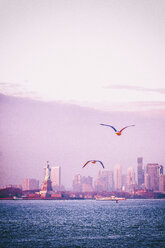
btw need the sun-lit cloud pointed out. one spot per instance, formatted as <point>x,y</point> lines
<point>135,88</point>
<point>16,89</point>
<point>4,85</point>
<point>136,106</point>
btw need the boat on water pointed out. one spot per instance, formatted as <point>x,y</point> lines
<point>110,198</point>
<point>17,198</point>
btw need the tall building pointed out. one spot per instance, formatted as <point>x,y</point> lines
<point>77,183</point>
<point>161,183</point>
<point>160,169</point>
<point>140,172</point>
<point>30,184</point>
<point>124,182</point>
<point>86,184</point>
<point>130,179</point>
<point>118,178</point>
<point>104,181</point>
<point>161,179</point>
<point>147,181</point>
<point>100,183</point>
<point>56,177</point>
<point>108,178</point>
<point>152,176</point>
<point>82,184</point>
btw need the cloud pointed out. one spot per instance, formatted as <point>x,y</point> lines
<point>135,88</point>
<point>9,85</point>
<point>15,89</point>
<point>146,105</point>
<point>157,107</point>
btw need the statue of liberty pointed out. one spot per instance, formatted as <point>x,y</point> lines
<point>48,171</point>
<point>47,184</point>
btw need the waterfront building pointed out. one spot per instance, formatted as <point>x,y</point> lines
<point>124,182</point>
<point>30,184</point>
<point>130,179</point>
<point>87,180</point>
<point>86,184</point>
<point>56,177</point>
<point>77,183</point>
<point>104,181</point>
<point>161,183</point>
<point>152,176</point>
<point>147,181</point>
<point>161,179</point>
<point>160,169</point>
<point>108,178</point>
<point>140,172</point>
<point>82,184</point>
<point>118,178</point>
<point>100,184</point>
<point>17,186</point>
<point>86,187</point>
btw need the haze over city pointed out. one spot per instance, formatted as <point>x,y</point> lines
<point>66,67</point>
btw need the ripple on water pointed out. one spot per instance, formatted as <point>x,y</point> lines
<point>132,223</point>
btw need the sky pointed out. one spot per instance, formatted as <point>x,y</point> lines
<point>103,57</point>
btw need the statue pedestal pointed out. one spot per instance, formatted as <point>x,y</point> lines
<point>47,186</point>
<point>45,195</point>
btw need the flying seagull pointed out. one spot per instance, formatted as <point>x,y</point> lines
<point>117,132</point>
<point>94,162</point>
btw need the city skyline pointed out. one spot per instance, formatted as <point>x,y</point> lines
<point>106,180</point>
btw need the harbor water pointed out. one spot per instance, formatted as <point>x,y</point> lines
<point>82,223</point>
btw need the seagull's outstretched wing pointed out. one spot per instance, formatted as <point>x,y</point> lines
<point>109,126</point>
<point>100,163</point>
<point>126,127</point>
<point>86,163</point>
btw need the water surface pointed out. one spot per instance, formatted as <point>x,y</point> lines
<point>82,223</point>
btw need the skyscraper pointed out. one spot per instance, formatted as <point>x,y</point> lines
<point>160,169</point>
<point>161,179</point>
<point>118,178</point>
<point>107,177</point>
<point>56,177</point>
<point>104,181</point>
<point>77,183</point>
<point>161,183</point>
<point>124,182</point>
<point>152,176</point>
<point>140,172</point>
<point>130,179</point>
<point>86,184</point>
